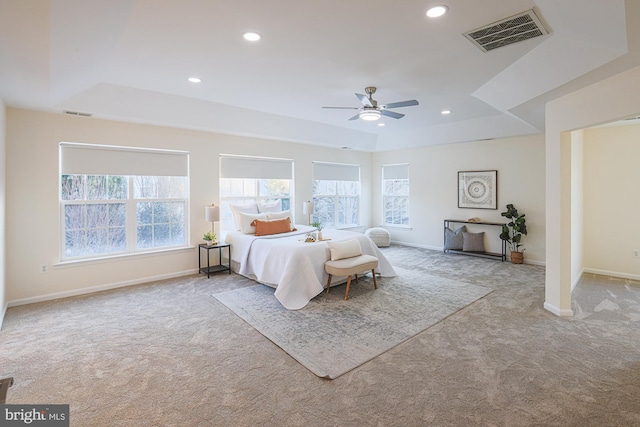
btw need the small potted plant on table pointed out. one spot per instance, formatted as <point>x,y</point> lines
<point>210,238</point>
<point>513,231</point>
<point>318,225</point>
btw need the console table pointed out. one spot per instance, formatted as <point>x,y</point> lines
<point>502,256</point>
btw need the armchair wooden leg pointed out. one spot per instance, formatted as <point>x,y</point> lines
<point>346,292</point>
<point>375,284</point>
<point>328,283</point>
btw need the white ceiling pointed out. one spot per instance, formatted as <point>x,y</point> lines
<point>130,60</point>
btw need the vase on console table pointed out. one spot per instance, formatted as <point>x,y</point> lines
<point>319,235</point>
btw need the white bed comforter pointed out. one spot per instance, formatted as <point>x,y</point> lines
<point>295,268</point>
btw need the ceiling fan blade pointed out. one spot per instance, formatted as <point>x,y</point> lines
<point>365,101</point>
<point>344,108</point>
<point>391,114</point>
<point>356,117</point>
<point>402,104</point>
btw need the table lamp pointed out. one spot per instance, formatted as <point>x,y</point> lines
<point>307,209</point>
<point>212,214</point>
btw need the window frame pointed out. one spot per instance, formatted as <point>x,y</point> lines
<point>226,218</point>
<point>325,172</point>
<point>256,169</point>
<point>121,162</point>
<point>395,194</point>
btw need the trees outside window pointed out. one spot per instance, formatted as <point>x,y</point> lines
<point>395,194</point>
<point>106,214</point>
<point>336,202</point>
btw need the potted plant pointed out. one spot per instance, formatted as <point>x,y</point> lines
<point>210,238</point>
<point>513,231</point>
<point>318,225</point>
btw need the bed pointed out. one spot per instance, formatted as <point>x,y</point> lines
<point>295,268</point>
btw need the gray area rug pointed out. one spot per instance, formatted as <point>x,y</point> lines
<point>331,336</point>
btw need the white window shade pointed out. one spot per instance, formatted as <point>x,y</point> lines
<point>79,159</point>
<point>395,171</point>
<point>255,168</point>
<point>335,172</point>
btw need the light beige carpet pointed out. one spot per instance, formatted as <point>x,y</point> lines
<point>331,336</point>
<point>169,354</point>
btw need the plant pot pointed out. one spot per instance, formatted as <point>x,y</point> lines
<point>209,243</point>
<point>319,235</point>
<point>517,257</point>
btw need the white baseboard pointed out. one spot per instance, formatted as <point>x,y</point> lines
<point>555,310</point>
<point>105,287</point>
<point>612,273</point>
<point>416,245</point>
<point>534,262</point>
<point>439,248</point>
<point>577,280</point>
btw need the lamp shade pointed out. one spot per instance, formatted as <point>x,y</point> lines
<point>307,208</point>
<point>212,213</point>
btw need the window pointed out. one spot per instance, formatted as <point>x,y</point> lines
<point>336,194</point>
<point>108,207</point>
<point>245,180</point>
<point>395,194</point>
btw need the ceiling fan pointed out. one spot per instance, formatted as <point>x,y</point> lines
<point>370,109</point>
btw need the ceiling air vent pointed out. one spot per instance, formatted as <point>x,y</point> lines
<point>517,28</point>
<point>77,113</point>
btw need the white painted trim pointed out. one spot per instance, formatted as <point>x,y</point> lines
<point>612,273</point>
<point>398,226</point>
<point>557,311</point>
<point>534,262</point>
<point>354,228</point>
<point>4,312</point>
<point>575,282</point>
<point>105,287</point>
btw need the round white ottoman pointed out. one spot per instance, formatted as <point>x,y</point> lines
<point>380,236</point>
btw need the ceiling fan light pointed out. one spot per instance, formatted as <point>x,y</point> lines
<point>370,115</point>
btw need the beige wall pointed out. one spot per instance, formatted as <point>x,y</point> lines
<point>433,176</point>
<point>33,208</point>
<point>606,101</point>
<point>3,289</point>
<point>612,200</point>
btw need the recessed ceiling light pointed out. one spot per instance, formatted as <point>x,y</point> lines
<point>445,112</point>
<point>437,11</point>
<point>381,124</point>
<point>195,79</point>
<point>251,36</point>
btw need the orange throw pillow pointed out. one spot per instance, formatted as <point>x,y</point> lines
<point>272,226</point>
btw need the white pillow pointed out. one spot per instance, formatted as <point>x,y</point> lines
<point>344,249</point>
<point>250,208</point>
<point>270,207</point>
<point>246,220</point>
<point>280,215</point>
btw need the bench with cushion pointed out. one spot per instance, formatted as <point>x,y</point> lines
<point>348,260</point>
